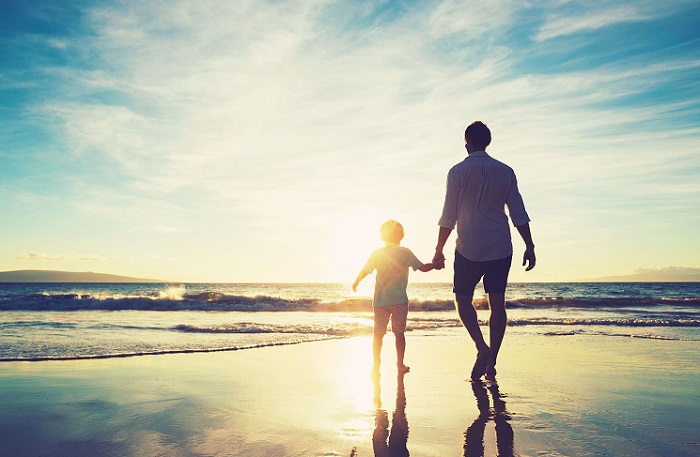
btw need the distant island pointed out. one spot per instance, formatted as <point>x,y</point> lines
<point>66,276</point>
<point>667,274</point>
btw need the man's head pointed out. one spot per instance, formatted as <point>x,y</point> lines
<point>477,136</point>
<point>391,232</point>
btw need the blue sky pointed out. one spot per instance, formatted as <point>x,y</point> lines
<point>266,141</point>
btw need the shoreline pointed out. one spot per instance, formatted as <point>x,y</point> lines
<point>559,395</point>
<point>157,353</point>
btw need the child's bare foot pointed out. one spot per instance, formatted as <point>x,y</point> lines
<point>403,368</point>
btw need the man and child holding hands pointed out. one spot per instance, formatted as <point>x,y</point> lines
<point>478,190</point>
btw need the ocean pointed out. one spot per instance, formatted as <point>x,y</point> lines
<point>67,321</point>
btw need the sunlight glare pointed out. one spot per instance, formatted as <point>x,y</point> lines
<point>356,384</point>
<point>357,388</point>
<point>351,239</point>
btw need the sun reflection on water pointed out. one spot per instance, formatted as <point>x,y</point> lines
<point>356,388</point>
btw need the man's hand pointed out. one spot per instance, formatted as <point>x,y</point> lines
<point>439,257</point>
<point>439,260</point>
<point>529,258</point>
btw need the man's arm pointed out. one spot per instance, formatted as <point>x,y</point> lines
<point>529,256</point>
<point>448,219</point>
<point>439,258</point>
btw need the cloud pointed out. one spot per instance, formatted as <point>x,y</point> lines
<point>597,17</point>
<point>116,131</point>
<point>164,229</point>
<point>40,256</point>
<point>454,17</point>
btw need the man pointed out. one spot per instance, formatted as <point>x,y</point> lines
<point>478,190</point>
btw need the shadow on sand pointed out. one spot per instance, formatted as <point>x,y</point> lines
<point>474,435</point>
<point>390,442</point>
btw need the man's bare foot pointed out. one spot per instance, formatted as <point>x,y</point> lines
<point>403,369</point>
<point>481,363</point>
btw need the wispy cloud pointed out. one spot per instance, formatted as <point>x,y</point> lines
<point>568,18</point>
<point>585,21</point>
<point>40,256</point>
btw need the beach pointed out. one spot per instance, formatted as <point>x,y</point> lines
<point>557,395</point>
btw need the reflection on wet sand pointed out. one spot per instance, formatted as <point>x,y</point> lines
<point>474,436</point>
<point>386,442</point>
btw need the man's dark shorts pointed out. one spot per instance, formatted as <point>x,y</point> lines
<point>468,273</point>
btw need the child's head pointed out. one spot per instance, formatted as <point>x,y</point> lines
<point>391,232</point>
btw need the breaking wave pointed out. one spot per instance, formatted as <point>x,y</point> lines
<point>178,300</point>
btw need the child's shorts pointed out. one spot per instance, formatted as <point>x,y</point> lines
<point>398,315</point>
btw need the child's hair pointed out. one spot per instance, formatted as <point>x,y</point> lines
<point>391,232</point>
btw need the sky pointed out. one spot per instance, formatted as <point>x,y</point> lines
<point>266,141</point>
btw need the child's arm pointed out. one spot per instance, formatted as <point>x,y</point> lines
<point>360,276</point>
<point>427,267</point>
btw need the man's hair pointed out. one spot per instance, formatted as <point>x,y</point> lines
<point>477,134</point>
<point>391,231</point>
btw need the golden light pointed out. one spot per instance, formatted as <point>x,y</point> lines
<point>356,387</point>
<point>351,239</point>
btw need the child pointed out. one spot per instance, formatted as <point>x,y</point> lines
<point>390,298</point>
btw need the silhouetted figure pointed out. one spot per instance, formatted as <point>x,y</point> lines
<point>474,435</point>
<point>478,190</point>
<point>392,443</point>
<point>390,299</point>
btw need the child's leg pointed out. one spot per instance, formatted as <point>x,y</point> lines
<point>381,320</point>
<point>400,348</point>
<point>398,326</point>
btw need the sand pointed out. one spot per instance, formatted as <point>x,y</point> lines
<point>557,396</point>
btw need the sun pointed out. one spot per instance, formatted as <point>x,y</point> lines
<point>350,241</point>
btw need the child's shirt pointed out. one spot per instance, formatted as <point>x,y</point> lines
<point>391,263</point>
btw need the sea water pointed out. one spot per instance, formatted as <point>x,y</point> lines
<point>49,321</point>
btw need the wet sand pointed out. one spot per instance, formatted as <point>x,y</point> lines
<point>556,396</point>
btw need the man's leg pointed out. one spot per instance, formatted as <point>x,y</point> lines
<point>497,324</point>
<point>467,313</point>
<point>495,283</point>
<point>467,276</point>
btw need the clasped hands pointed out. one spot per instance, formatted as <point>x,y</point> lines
<point>439,260</point>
